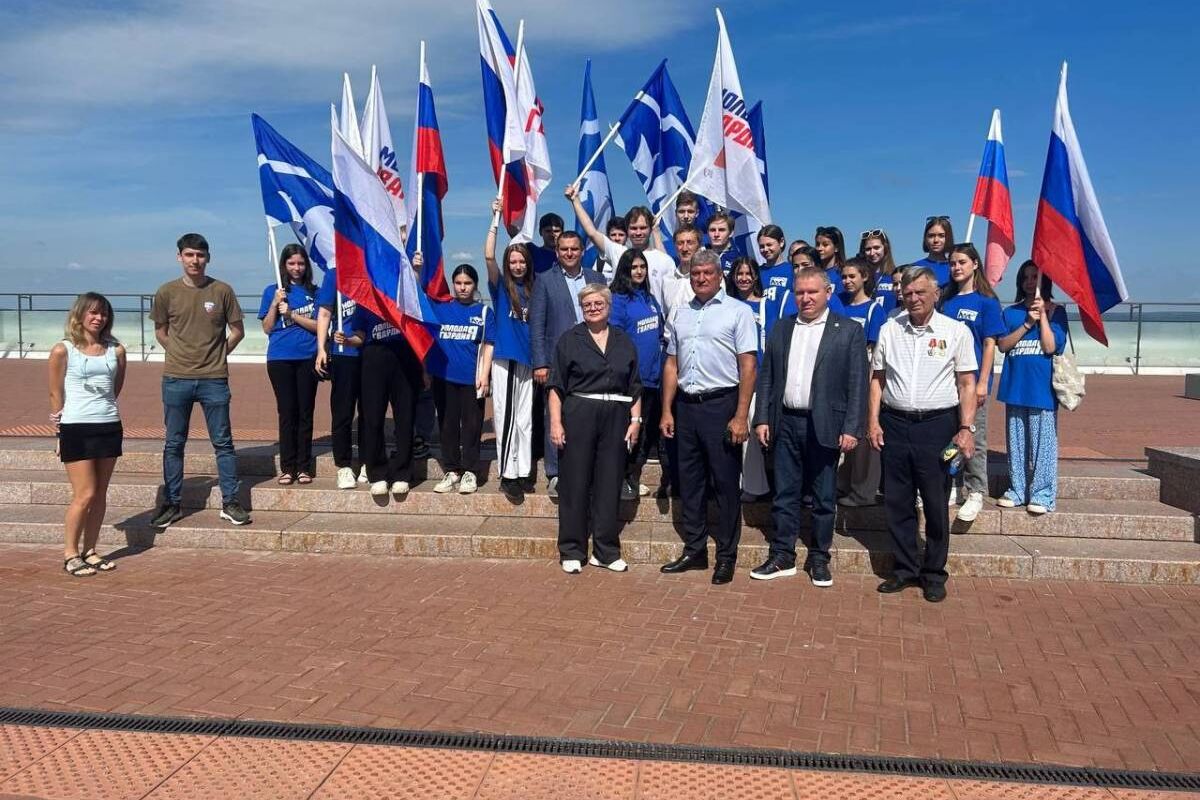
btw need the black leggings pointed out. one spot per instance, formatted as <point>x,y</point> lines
<point>345,373</point>
<point>295,385</point>
<point>460,415</point>
<point>391,375</point>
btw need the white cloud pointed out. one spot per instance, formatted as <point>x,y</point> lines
<point>462,255</point>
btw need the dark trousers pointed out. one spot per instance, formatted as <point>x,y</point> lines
<point>551,453</point>
<point>345,377</point>
<point>802,466</point>
<point>391,375</point>
<point>589,484</point>
<point>295,385</point>
<point>460,414</point>
<point>648,437</point>
<point>706,457</point>
<point>912,463</point>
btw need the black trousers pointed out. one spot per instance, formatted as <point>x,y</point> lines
<point>912,463</point>
<point>649,436</point>
<point>591,466</point>
<point>295,386</point>
<point>802,466</point>
<point>391,375</point>
<point>706,457</point>
<point>460,415</point>
<point>345,377</point>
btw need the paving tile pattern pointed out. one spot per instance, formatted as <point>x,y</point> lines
<point>1004,670</point>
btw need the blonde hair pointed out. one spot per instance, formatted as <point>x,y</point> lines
<point>83,304</point>
<point>596,288</point>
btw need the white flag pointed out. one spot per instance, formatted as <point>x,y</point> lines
<point>348,123</point>
<point>724,167</point>
<point>378,151</point>
<point>537,151</point>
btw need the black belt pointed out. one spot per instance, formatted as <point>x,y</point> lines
<point>711,394</point>
<point>796,412</point>
<point>919,416</point>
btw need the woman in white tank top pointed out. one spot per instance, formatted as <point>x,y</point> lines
<point>87,371</point>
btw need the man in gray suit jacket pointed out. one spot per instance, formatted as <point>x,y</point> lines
<point>811,406</point>
<point>553,311</point>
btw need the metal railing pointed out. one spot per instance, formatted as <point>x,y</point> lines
<point>1142,336</point>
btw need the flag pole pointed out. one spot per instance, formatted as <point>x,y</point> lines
<point>273,256</point>
<point>970,227</point>
<point>516,86</point>
<point>612,132</point>
<point>417,145</point>
<point>662,209</point>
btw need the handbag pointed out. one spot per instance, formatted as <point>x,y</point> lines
<point>1066,379</point>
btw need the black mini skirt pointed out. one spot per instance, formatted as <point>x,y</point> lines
<point>84,441</point>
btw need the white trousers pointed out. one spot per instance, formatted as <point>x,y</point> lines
<point>754,464</point>
<point>512,417</point>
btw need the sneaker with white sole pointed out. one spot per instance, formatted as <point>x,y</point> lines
<point>1037,509</point>
<point>379,488</point>
<point>616,566</point>
<point>467,484</point>
<point>362,474</point>
<point>447,483</point>
<point>345,478</point>
<point>969,510</point>
<point>1006,502</point>
<point>952,500</point>
<point>552,487</point>
<point>572,567</point>
<point>400,487</point>
<point>643,490</point>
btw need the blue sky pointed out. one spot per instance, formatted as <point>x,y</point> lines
<point>126,124</point>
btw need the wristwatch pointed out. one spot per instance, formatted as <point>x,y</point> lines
<point>970,428</point>
<point>638,420</point>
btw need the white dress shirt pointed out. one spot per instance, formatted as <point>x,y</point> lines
<point>802,357</point>
<point>706,339</point>
<point>921,362</point>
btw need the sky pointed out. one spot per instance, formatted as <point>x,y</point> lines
<point>126,124</point>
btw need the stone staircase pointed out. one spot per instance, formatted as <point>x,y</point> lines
<point>1110,524</point>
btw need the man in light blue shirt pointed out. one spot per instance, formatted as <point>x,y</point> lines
<point>708,379</point>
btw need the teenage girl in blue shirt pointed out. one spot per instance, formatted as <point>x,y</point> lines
<point>875,248</point>
<point>635,311</point>
<point>1037,331</point>
<point>289,318</point>
<point>936,242</point>
<point>745,283</point>
<point>831,249</point>
<point>858,476</point>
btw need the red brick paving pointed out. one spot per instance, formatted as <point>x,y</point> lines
<point>60,763</point>
<point>1061,672</point>
<point>1120,416</point>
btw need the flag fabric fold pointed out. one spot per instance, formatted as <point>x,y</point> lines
<point>373,269</point>
<point>993,202</point>
<point>595,194</point>
<point>378,151</point>
<point>296,191</point>
<point>724,166</point>
<point>1070,240</point>
<point>505,128</point>
<point>746,227</point>
<point>430,186</point>
<point>348,121</point>
<point>537,150</point>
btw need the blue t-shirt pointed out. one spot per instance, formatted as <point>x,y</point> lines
<point>728,256</point>
<point>376,329</point>
<point>458,331</point>
<point>290,342</point>
<point>543,259</point>
<point>868,313</point>
<point>835,276</point>
<point>327,298</point>
<point>639,316</point>
<point>512,328</point>
<point>941,269</point>
<point>887,292</point>
<point>982,316</point>
<point>762,321</point>
<point>777,288</point>
<point>1025,380</point>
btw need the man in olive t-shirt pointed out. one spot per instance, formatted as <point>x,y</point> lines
<point>191,316</point>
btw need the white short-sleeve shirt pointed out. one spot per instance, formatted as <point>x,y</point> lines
<point>921,363</point>
<point>706,339</point>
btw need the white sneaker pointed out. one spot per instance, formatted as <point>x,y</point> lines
<point>467,485</point>
<point>643,490</point>
<point>447,483</point>
<point>345,478</point>
<point>379,488</point>
<point>969,510</point>
<point>362,474</point>
<point>920,502</point>
<point>952,500</point>
<point>1006,502</point>
<point>1036,509</point>
<point>572,567</point>
<point>400,487</point>
<point>616,566</point>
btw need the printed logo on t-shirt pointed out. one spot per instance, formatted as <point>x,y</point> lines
<point>382,331</point>
<point>647,324</point>
<point>967,315</point>
<point>463,333</point>
<point>209,305</point>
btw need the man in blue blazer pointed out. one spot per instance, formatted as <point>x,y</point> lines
<point>553,311</point>
<point>811,407</point>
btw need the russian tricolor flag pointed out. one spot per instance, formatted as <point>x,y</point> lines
<point>425,205</point>
<point>372,268</point>
<point>505,128</point>
<point>1070,240</point>
<point>994,203</point>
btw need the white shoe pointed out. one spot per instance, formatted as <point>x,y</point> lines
<point>345,478</point>
<point>447,483</point>
<point>468,484</point>
<point>400,487</point>
<point>1006,502</point>
<point>379,488</point>
<point>1036,509</point>
<point>643,490</point>
<point>616,566</point>
<point>952,500</point>
<point>362,474</point>
<point>920,502</point>
<point>969,510</point>
<point>572,567</point>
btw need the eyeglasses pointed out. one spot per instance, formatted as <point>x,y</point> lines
<point>939,218</point>
<point>594,305</point>
<point>878,232</point>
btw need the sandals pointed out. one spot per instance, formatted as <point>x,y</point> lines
<point>95,560</point>
<point>285,480</point>
<point>304,477</point>
<point>76,567</point>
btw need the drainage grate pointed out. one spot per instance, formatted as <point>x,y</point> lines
<point>537,745</point>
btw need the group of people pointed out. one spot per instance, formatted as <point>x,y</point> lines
<point>802,376</point>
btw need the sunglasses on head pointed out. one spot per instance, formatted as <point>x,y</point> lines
<point>825,231</point>
<point>939,218</point>
<point>877,232</point>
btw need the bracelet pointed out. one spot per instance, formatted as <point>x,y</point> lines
<point>638,420</point>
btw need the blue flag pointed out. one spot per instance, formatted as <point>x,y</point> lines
<point>594,192</point>
<point>745,229</point>
<point>296,191</point>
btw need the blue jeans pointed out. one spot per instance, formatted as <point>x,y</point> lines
<point>802,466</point>
<point>179,395</point>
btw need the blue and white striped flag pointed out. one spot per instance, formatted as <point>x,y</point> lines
<point>296,190</point>
<point>594,192</point>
